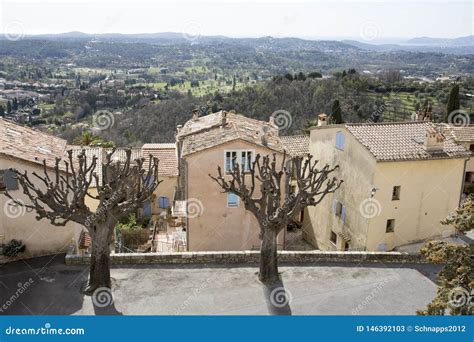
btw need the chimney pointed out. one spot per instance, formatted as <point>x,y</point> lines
<point>195,114</point>
<point>178,128</point>
<point>322,119</point>
<point>434,140</point>
<point>223,118</point>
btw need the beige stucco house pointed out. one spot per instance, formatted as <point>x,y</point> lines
<point>25,149</point>
<point>167,172</point>
<point>464,135</point>
<point>400,181</point>
<point>217,221</point>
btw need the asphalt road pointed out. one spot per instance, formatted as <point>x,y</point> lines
<point>49,287</point>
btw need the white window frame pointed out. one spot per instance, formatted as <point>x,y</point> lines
<point>238,157</point>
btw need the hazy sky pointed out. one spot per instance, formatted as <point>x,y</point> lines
<point>363,20</point>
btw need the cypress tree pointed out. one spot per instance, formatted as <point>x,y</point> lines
<point>453,100</point>
<point>336,112</point>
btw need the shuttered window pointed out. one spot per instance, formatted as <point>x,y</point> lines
<point>232,200</point>
<point>8,180</point>
<point>163,202</point>
<point>340,141</point>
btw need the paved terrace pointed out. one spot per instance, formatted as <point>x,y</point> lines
<point>323,289</point>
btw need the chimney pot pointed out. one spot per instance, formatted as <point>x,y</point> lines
<point>195,114</point>
<point>434,140</point>
<point>322,119</point>
<point>223,118</point>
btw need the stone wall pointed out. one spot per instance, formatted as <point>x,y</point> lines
<point>252,257</point>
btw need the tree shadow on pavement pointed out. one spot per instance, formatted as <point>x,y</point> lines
<point>278,299</point>
<point>108,310</point>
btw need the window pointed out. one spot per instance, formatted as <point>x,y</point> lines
<point>8,180</point>
<point>230,158</point>
<point>469,178</point>
<point>338,209</point>
<point>340,141</point>
<point>471,147</point>
<point>333,238</point>
<point>246,160</point>
<point>232,200</point>
<point>243,158</point>
<point>396,193</point>
<point>390,226</point>
<point>3,186</point>
<point>346,246</point>
<point>163,202</point>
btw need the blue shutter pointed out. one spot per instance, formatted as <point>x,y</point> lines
<point>147,209</point>
<point>11,182</point>
<point>340,140</point>
<point>334,206</point>
<point>148,181</point>
<point>232,200</point>
<point>343,214</point>
<point>163,202</point>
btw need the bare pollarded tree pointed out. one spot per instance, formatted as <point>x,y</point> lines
<point>274,205</point>
<point>59,195</point>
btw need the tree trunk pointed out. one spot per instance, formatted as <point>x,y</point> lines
<point>268,257</point>
<point>99,269</point>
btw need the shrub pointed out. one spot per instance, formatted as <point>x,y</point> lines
<point>13,248</point>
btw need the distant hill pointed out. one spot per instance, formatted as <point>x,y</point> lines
<point>457,46</point>
<point>461,45</point>
<point>453,42</point>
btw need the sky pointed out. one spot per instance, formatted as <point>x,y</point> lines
<point>338,19</point>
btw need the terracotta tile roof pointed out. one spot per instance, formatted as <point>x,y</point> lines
<point>159,145</point>
<point>207,131</point>
<point>296,145</point>
<point>166,153</point>
<point>28,144</point>
<point>462,133</point>
<point>402,141</point>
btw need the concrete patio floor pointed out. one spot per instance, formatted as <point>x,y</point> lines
<point>328,289</point>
